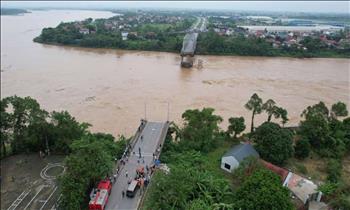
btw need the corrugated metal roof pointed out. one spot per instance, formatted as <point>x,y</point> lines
<point>301,187</point>
<point>242,151</point>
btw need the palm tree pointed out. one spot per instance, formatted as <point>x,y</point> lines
<point>255,105</point>
<point>283,114</point>
<point>270,107</point>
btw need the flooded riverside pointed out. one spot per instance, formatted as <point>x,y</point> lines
<point>110,89</point>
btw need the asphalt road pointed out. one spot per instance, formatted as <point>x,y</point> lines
<point>152,134</point>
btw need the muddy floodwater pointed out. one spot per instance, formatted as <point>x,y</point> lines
<point>111,89</point>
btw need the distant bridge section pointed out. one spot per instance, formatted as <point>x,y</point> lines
<point>189,44</point>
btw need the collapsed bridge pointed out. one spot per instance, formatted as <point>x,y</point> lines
<point>188,49</point>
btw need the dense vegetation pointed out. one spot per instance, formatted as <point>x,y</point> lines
<point>197,177</point>
<point>273,143</point>
<point>192,154</point>
<point>83,171</point>
<point>263,190</point>
<point>329,137</point>
<point>212,43</point>
<point>150,37</point>
<point>25,127</point>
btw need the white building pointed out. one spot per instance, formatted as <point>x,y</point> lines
<point>236,155</point>
<point>125,36</point>
<point>292,28</point>
<point>260,18</point>
<point>84,31</point>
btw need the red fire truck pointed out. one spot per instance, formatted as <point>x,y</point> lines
<point>99,196</point>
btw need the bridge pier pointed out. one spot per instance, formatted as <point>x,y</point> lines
<point>187,61</point>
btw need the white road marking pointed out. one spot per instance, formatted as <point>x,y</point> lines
<point>42,187</point>
<point>54,190</point>
<point>19,200</point>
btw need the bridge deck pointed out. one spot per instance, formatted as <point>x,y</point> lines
<point>189,44</point>
<point>153,134</point>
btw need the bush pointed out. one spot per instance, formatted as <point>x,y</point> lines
<point>263,190</point>
<point>302,149</point>
<point>91,160</point>
<point>334,168</point>
<point>301,168</point>
<point>273,143</point>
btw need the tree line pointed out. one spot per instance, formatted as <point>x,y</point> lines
<point>26,127</point>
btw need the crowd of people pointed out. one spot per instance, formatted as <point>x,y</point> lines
<point>143,171</point>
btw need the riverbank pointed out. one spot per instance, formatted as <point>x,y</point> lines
<point>273,54</point>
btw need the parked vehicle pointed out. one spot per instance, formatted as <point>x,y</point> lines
<point>132,188</point>
<point>99,196</point>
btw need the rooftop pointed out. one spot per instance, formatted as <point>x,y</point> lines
<point>241,151</point>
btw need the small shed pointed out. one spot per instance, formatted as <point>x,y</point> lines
<point>236,155</point>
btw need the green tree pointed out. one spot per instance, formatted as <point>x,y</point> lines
<point>339,110</point>
<point>323,130</point>
<point>315,127</point>
<point>199,187</point>
<point>66,130</point>
<point>346,126</point>
<point>302,149</point>
<point>273,143</point>
<point>90,161</point>
<point>38,132</point>
<point>26,112</point>
<point>283,114</point>
<point>262,190</point>
<point>315,110</point>
<point>273,110</point>
<point>270,107</point>
<point>5,125</point>
<point>236,126</point>
<point>200,129</point>
<point>255,105</point>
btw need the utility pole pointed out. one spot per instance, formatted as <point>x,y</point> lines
<point>168,112</point>
<point>145,112</point>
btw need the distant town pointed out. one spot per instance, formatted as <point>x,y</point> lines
<point>284,32</point>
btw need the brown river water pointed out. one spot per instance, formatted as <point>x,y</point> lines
<point>109,88</point>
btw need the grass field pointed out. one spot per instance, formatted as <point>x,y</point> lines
<point>316,168</point>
